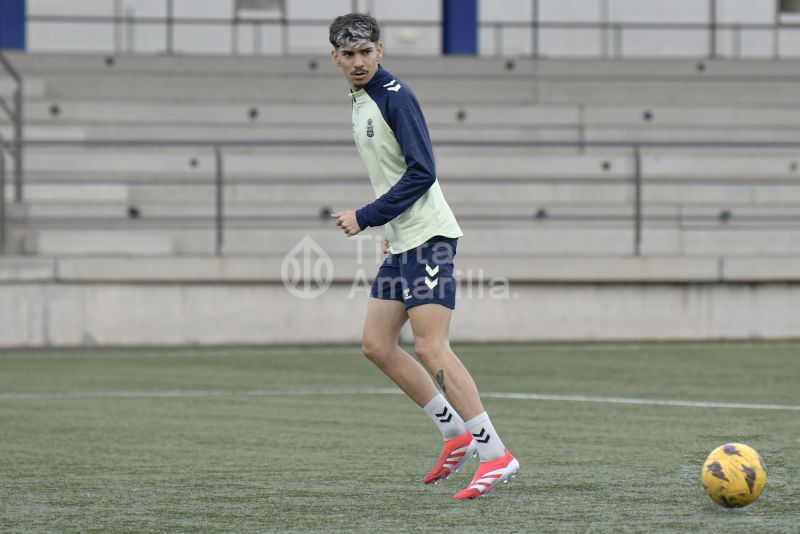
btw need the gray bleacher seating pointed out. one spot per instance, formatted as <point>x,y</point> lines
<point>538,204</point>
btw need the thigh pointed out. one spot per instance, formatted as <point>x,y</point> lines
<point>430,322</point>
<point>384,320</point>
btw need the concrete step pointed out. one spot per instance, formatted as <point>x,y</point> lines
<point>286,163</point>
<point>82,193</point>
<point>440,133</point>
<point>717,92</point>
<point>179,210</point>
<point>690,194</point>
<point>159,111</point>
<point>298,89</point>
<point>346,269</point>
<point>533,239</point>
<point>435,89</point>
<point>43,62</point>
<point>31,88</point>
<point>238,269</point>
<point>92,242</point>
<point>341,195</point>
<point>581,241</point>
<point>283,163</point>
<point>698,133</point>
<point>705,116</point>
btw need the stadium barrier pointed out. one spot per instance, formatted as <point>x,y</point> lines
<point>609,36</point>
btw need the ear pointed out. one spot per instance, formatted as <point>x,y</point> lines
<point>379,51</point>
<point>335,56</point>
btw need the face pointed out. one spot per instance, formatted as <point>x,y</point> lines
<point>358,64</point>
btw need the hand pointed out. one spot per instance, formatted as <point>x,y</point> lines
<point>346,220</point>
<point>385,245</point>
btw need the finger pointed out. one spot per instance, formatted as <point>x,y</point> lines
<point>335,215</point>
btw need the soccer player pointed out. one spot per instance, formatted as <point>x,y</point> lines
<point>416,280</point>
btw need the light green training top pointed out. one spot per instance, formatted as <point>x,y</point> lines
<point>392,138</point>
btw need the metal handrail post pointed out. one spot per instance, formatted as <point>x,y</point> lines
<point>776,41</point>
<point>637,202</point>
<point>219,213</point>
<point>712,29</point>
<point>618,40</point>
<point>169,30</point>
<point>2,202</point>
<point>16,116</point>
<point>535,29</point>
<point>18,148</point>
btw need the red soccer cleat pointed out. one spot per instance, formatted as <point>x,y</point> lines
<point>490,475</point>
<point>456,451</point>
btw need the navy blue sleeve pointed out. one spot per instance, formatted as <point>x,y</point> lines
<point>405,118</point>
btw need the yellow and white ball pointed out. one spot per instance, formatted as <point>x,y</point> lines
<point>734,475</point>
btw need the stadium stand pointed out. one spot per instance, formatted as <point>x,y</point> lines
<point>561,212</point>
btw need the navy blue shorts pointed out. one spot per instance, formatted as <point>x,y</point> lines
<point>422,275</point>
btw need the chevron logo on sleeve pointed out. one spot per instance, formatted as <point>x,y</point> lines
<point>393,86</point>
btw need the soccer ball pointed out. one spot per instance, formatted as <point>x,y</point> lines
<point>734,475</point>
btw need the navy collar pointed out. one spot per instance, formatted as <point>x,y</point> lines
<point>381,77</point>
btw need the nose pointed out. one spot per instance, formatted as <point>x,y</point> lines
<point>358,61</point>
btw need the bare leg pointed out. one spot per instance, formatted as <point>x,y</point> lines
<point>431,325</point>
<point>382,327</point>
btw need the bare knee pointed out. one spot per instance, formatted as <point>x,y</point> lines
<point>432,351</point>
<point>377,350</point>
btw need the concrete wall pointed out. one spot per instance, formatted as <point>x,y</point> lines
<point>410,39</point>
<point>70,314</point>
<point>242,300</point>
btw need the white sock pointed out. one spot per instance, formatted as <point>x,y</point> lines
<point>490,446</point>
<point>445,417</point>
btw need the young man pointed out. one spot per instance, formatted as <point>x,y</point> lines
<point>416,280</point>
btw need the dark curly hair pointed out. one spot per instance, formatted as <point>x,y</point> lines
<point>354,30</point>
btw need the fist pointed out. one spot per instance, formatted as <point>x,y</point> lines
<point>346,220</point>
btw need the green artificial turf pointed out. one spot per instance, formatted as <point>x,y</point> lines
<point>281,439</point>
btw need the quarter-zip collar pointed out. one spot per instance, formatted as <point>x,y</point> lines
<point>381,77</point>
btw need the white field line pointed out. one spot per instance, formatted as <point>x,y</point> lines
<point>157,394</point>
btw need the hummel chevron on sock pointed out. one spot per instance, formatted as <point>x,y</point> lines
<point>445,417</point>
<point>490,446</point>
